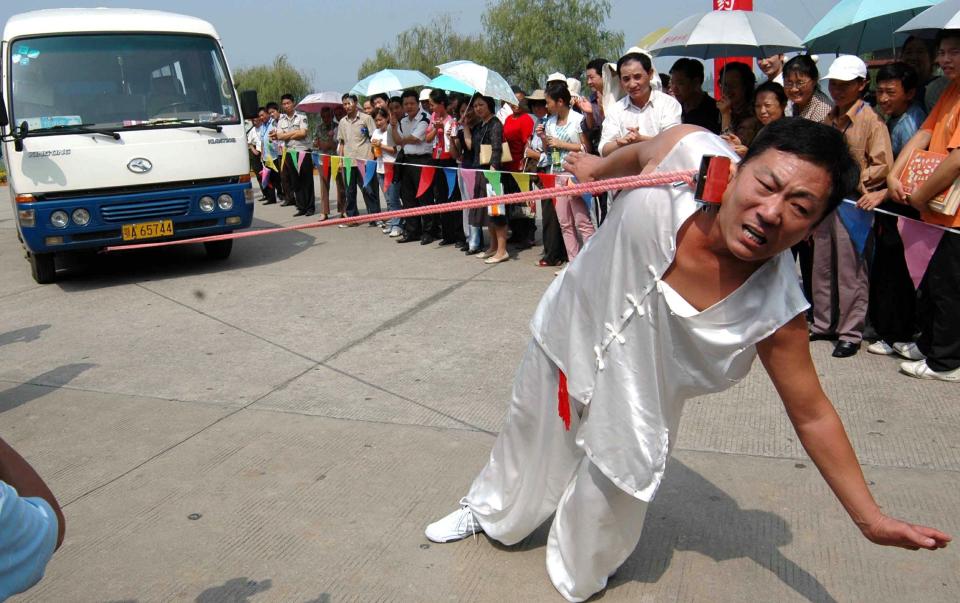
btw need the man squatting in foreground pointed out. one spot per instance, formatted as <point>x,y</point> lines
<point>665,303</point>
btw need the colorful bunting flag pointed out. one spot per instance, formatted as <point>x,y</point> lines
<point>362,167</point>
<point>426,179</point>
<point>451,174</point>
<point>268,161</point>
<point>265,177</point>
<point>335,166</point>
<point>919,242</point>
<point>325,163</point>
<point>858,224</point>
<point>493,177</point>
<point>371,171</point>
<point>300,158</point>
<point>283,158</point>
<point>387,176</point>
<point>523,181</point>
<point>548,180</point>
<point>347,170</point>
<point>469,178</point>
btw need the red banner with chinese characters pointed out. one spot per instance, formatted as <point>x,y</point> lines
<point>719,63</point>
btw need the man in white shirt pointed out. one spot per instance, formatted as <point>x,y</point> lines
<point>410,133</point>
<point>292,131</point>
<point>772,67</point>
<point>643,112</point>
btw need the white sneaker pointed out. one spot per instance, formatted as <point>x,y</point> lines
<point>908,350</point>
<point>396,232</point>
<point>880,347</point>
<point>920,370</point>
<point>456,526</point>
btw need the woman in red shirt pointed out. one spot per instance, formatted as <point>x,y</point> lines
<point>517,130</point>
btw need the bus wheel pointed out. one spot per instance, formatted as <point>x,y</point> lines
<point>219,250</point>
<point>42,268</point>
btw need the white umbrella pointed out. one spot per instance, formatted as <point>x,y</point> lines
<point>389,79</point>
<point>482,79</point>
<point>313,103</point>
<point>727,33</point>
<point>945,15</point>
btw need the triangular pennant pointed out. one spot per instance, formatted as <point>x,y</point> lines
<point>451,174</point>
<point>858,223</point>
<point>523,180</point>
<point>362,167</point>
<point>347,170</point>
<point>265,177</point>
<point>387,176</point>
<point>371,171</point>
<point>548,180</point>
<point>493,178</point>
<point>283,159</point>
<point>268,161</point>
<point>315,156</point>
<point>335,165</point>
<point>919,242</point>
<point>469,178</point>
<point>300,158</point>
<point>426,179</point>
<point>325,163</point>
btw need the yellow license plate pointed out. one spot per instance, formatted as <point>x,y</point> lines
<point>147,230</point>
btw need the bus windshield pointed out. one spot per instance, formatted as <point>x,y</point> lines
<point>119,81</point>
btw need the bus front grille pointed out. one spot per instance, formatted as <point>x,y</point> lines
<point>145,210</point>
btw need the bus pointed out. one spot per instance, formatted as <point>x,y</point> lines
<point>118,127</point>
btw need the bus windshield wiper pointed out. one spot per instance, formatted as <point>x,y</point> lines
<point>184,122</point>
<point>84,128</point>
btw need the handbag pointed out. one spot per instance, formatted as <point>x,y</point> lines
<point>486,152</point>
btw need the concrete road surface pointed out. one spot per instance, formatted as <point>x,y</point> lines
<point>281,426</point>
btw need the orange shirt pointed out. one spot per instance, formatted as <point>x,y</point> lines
<point>944,137</point>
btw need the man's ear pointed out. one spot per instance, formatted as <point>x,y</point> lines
<point>734,166</point>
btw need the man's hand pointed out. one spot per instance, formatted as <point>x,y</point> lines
<point>888,531</point>
<point>582,165</point>
<point>633,136</point>
<point>869,201</point>
<point>724,106</point>
<point>585,105</point>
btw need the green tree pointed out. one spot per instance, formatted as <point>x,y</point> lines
<point>272,81</point>
<point>423,48</point>
<point>536,37</point>
<point>523,40</point>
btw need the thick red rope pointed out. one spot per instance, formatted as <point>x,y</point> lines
<point>576,189</point>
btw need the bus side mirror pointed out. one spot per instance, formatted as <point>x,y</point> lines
<point>249,104</point>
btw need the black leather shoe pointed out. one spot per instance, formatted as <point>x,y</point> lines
<point>469,251</point>
<point>845,349</point>
<point>309,212</point>
<point>444,243</point>
<point>299,213</point>
<point>822,337</point>
<point>405,239</point>
<point>269,202</point>
<point>286,204</point>
<point>426,240</point>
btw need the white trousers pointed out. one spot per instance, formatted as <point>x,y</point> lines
<point>536,469</point>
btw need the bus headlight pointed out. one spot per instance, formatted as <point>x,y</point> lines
<point>207,203</point>
<point>59,219</point>
<point>28,217</point>
<point>81,217</point>
<point>225,202</point>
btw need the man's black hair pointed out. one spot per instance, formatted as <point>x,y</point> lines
<point>928,44</point>
<point>900,71</point>
<point>349,95</point>
<point>273,105</point>
<point>410,94</point>
<point>288,97</point>
<point>558,91</point>
<point>439,97</point>
<point>691,68</point>
<point>518,90</point>
<point>597,65</point>
<point>635,56</point>
<point>261,109</point>
<point>947,34</point>
<point>385,98</point>
<point>395,99</point>
<point>817,143</point>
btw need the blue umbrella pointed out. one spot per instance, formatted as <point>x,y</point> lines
<point>389,79</point>
<point>450,84</point>
<point>859,26</point>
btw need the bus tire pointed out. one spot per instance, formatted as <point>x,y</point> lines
<point>219,250</point>
<point>42,268</point>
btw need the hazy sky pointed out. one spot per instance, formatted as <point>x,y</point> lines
<point>329,39</point>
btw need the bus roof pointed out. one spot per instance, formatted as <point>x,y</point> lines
<point>88,20</point>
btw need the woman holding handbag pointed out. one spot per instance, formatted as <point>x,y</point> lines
<point>563,133</point>
<point>485,142</point>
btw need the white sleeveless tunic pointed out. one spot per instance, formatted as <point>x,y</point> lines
<point>632,349</point>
